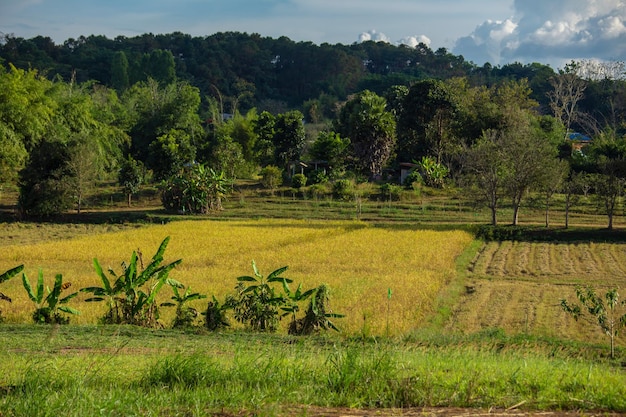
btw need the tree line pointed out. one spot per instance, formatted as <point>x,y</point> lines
<point>498,132</point>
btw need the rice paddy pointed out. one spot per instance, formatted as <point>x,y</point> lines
<point>359,262</point>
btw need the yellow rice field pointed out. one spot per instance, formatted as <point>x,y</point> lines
<point>358,261</point>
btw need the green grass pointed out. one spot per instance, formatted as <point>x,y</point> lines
<point>89,370</point>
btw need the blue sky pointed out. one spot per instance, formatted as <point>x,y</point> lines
<point>496,31</point>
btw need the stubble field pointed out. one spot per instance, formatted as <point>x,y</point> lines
<point>519,286</point>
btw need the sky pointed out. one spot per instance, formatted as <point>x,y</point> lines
<point>552,32</point>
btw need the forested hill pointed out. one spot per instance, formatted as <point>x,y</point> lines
<point>261,72</point>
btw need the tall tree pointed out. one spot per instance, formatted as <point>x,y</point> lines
<point>168,114</point>
<point>484,162</point>
<point>130,177</point>
<point>608,154</point>
<point>289,136</point>
<point>331,147</point>
<point>509,159</point>
<point>425,122</point>
<point>370,127</point>
<point>119,71</point>
<point>567,90</point>
<point>265,128</point>
<point>45,181</point>
<point>26,106</point>
<point>12,155</point>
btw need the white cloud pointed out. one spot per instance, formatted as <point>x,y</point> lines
<point>373,35</point>
<point>550,31</point>
<point>611,27</point>
<point>413,41</point>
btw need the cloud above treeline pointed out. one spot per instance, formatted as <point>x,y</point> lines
<point>556,31</point>
<point>412,41</point>
<point>552,32</point>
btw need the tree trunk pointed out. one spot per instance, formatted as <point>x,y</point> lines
<point>547,214</point>
<point>515,213</point>
<point>567,203</point>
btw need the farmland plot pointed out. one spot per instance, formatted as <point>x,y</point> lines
<point>519,286</point>
<point>359,262</point>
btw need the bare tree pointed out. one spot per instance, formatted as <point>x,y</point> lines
<point>568,90</point>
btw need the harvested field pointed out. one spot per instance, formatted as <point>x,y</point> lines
<point>519,285</point>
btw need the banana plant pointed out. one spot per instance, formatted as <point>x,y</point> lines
<point>5,276</point>
<point>128,302</point>
<point>215,315</point>
<point>49,306</point>
<point>185,315</point>
<point>317,315</point>
<point>293,298</point>
<point>257,304</point>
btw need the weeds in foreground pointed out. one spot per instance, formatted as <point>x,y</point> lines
<point>170,372</point>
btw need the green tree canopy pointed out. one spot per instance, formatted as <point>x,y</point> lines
<point>370,127</point>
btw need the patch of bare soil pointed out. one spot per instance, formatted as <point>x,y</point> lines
<point>438,412</point>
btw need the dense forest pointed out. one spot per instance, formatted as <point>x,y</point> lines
<point>279,72</point>
<point>179,110</point>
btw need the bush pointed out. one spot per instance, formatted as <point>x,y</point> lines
<point>343,190</point>
<point>195,190</point>
<point>298,181</point>
<point>271,177</point>
<point>317,191</point>
<point>215,315</point>
<point>434,173</point>
<point>318,177</point>
<point>46,181</point>
<point>413,180</point>
<point>391,192</point>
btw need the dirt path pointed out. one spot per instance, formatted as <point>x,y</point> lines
<point>439,412</point>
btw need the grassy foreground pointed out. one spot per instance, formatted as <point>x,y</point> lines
<point>94,370</point>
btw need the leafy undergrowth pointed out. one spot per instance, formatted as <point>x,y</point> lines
<point>124,370</point>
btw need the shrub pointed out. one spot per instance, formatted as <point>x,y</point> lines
<point>195,190</point>
<point>343,189</point>
<point>391,192</point>
<point>298,181</point>
<point>318,177</point>
<point>215,315</point>
<point>433,173</point>
<point>413,180</point>
<point>256,305</point>
<point>271,177</point>
<point>185,315</point>
<point>317,191</point>
<point>318,314</point>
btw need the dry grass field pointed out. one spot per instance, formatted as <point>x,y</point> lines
<point>359,262</point>
<point>519,286</point>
